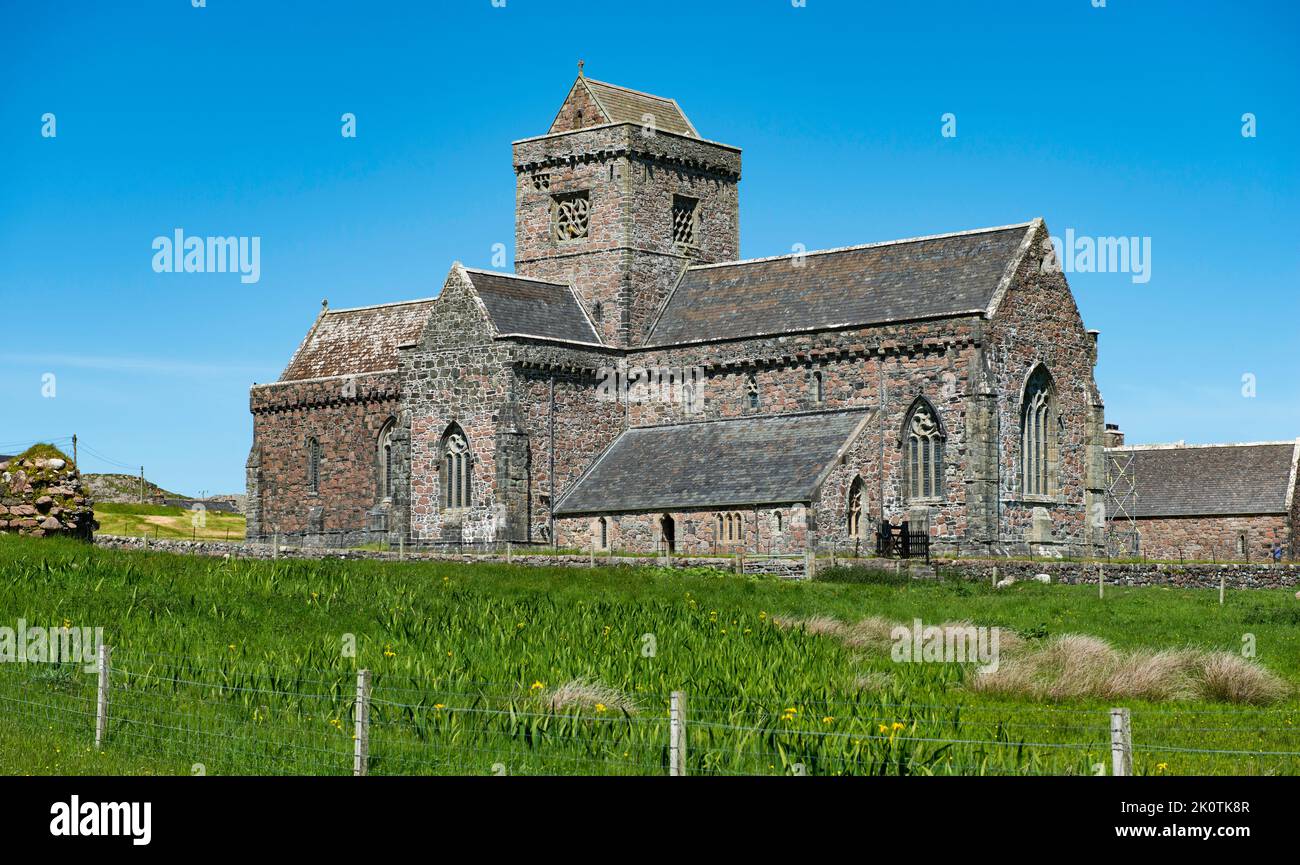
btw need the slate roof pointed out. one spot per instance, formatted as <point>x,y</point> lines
<point>926,277</point>
<point>622,105</point>
<point>359,340</point>
<point>744,461</point>
<point>1211,480</point>
<point>530,307</point>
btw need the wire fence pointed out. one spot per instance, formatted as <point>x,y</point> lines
<point>173,714</point>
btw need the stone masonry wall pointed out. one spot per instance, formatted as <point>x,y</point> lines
<point>1218,538</point>
<point>1237,576</point>
<point>629,259</point>
<point>1037,322</point>
<point>346,416</point>
<point>459,375</point>
<point>768,530</point>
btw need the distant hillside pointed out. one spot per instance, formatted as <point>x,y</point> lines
<point>124,489</point>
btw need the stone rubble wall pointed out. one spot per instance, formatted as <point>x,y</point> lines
<point>45,496</point>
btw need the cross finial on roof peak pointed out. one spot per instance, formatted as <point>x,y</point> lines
<point>325,304</point>
<point>581,63</point>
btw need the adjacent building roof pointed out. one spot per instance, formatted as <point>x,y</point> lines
<point>1211,480</point>
<point>520,306</point>
<point>925,277</point>
<point>359,340</point>
<point>726,463</point>
<point>621,105</point>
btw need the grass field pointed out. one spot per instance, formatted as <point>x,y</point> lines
<point>158,521</point>
<point>244,667</point>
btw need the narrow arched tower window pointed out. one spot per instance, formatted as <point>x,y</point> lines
<point>385,461</point>
<point>313,465</point>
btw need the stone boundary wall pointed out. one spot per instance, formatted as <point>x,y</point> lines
<point>1199,576</point>
<point>1239,576</point>
<point>782,567</point>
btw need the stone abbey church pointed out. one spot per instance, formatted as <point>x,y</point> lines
<point>635,386</point>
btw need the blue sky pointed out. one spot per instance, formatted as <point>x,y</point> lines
<point>1123,120</point>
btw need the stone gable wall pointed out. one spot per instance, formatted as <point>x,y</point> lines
<point>579,110</point>
<point>456,375</point>
<point>1037,321</point>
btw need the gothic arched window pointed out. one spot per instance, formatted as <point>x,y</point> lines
<point>456,465</point>
<point>923,459</point>
<point>313,464</point>
<point>1037,435</point>
<point>751,390</point>
<point>385,460</point>
<point>855,508</point>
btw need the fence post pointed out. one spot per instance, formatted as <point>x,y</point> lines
<point>810,564</point>
<point>1121,743</point>
<point>101,697</point>
<point>677,734</point>
<point>509,552</point>
<point>275,548</point>
<point>361,756</point>
<point>1223,586</point>
<point>401,547</point>
<point>1101,581</point>
<point>593,551</point>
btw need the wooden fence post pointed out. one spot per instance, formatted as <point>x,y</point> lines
<point>593,551</point>
<point>104,666</point>
<point>677,734</point>
<point>1101,581</point>
<point>1121,743</point>
<point>809,564</point>
<point>510,556</point>
<point>1223,586</point>
<point>361,756</point>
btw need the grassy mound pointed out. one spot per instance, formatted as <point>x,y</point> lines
<point>44,452</point>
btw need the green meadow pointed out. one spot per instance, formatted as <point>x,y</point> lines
<point>160,521</point>
<point>250,667</point>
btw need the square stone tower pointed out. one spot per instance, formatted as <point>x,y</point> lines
<point>617,199</point>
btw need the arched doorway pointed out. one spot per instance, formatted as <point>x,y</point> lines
<point>668,533</point>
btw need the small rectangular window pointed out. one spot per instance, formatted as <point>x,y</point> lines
<point>685,212</point>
